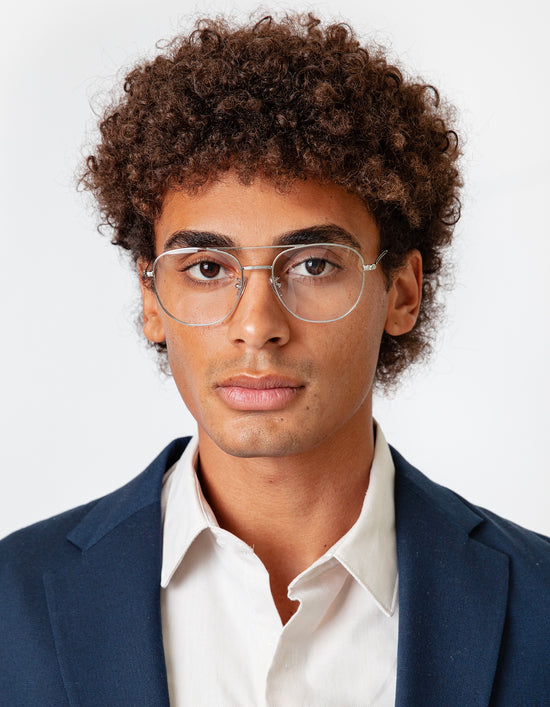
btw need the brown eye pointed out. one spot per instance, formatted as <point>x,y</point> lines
<point>315,266</point>
<point>209,269</point>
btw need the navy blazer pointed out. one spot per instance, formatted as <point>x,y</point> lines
<point>80,602</point>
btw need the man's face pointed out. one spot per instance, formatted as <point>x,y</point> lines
<point>262,382</point>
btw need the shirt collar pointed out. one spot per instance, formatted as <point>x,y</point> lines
<point>368,550</point>
<point>185,511</point>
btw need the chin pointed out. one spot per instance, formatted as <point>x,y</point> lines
<point>254,441</point>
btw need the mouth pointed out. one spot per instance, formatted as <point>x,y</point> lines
<point>262,393</point>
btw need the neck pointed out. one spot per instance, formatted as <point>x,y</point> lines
<point>290,509</point>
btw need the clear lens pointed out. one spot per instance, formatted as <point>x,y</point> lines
<point>197,287</point>
<point>319,283</point>
<point>316,283</point>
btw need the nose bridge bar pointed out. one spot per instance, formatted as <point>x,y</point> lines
<point>273,281</point>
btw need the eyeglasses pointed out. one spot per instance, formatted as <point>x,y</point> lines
<point>321,282</point>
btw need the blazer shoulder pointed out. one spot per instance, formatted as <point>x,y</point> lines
<point>67,586</point>
<point>35,545</point>
<point>474,599</point>
<point>530,548</point>
<point>43,545</point>
<point>522,545</point>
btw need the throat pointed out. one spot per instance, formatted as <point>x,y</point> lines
<point>286,608</point>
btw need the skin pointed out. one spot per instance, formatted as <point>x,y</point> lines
<point>288,479</point>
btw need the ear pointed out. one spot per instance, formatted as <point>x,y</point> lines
<point>404,296</point>
<point>152,322</point>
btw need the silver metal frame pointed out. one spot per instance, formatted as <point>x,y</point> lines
<point>274,281</point>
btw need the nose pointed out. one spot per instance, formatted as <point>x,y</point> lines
<point>259,319</point>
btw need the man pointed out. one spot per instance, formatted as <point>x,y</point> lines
<point>286,197</point>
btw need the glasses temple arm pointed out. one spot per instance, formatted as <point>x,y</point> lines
<point>373,265</point>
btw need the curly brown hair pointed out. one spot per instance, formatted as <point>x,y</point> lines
<point>286,99</point>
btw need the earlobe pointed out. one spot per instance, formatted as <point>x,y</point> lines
<point>153,328</point>
<point>152,325</point>
<point>404,296</point>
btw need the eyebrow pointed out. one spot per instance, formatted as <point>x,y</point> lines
<point>198,239</point>
<point>326,233</point>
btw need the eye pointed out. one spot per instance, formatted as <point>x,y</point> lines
<point>313,267</point>
<point>205,270</point>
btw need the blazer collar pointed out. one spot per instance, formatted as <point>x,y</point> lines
<point>453,593</point>
<point>120,505</point>
<point>104,606</point>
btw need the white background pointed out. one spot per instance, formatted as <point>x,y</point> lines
<point>83,408</point>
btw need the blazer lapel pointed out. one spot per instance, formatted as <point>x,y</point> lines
<point>104,605</point>
<point>452,597</point>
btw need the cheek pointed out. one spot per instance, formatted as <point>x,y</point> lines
<point>354,351</point>
<point>188,350</point>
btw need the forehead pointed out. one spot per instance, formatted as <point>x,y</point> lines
<point>259,213</point>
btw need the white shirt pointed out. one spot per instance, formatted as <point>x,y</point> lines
<point>223,638</point>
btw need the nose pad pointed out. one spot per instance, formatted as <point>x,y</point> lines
<point>240,285</point>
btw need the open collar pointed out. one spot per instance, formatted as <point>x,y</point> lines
<point>367,551</point>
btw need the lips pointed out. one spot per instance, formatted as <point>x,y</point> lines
<point>263,393</point>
